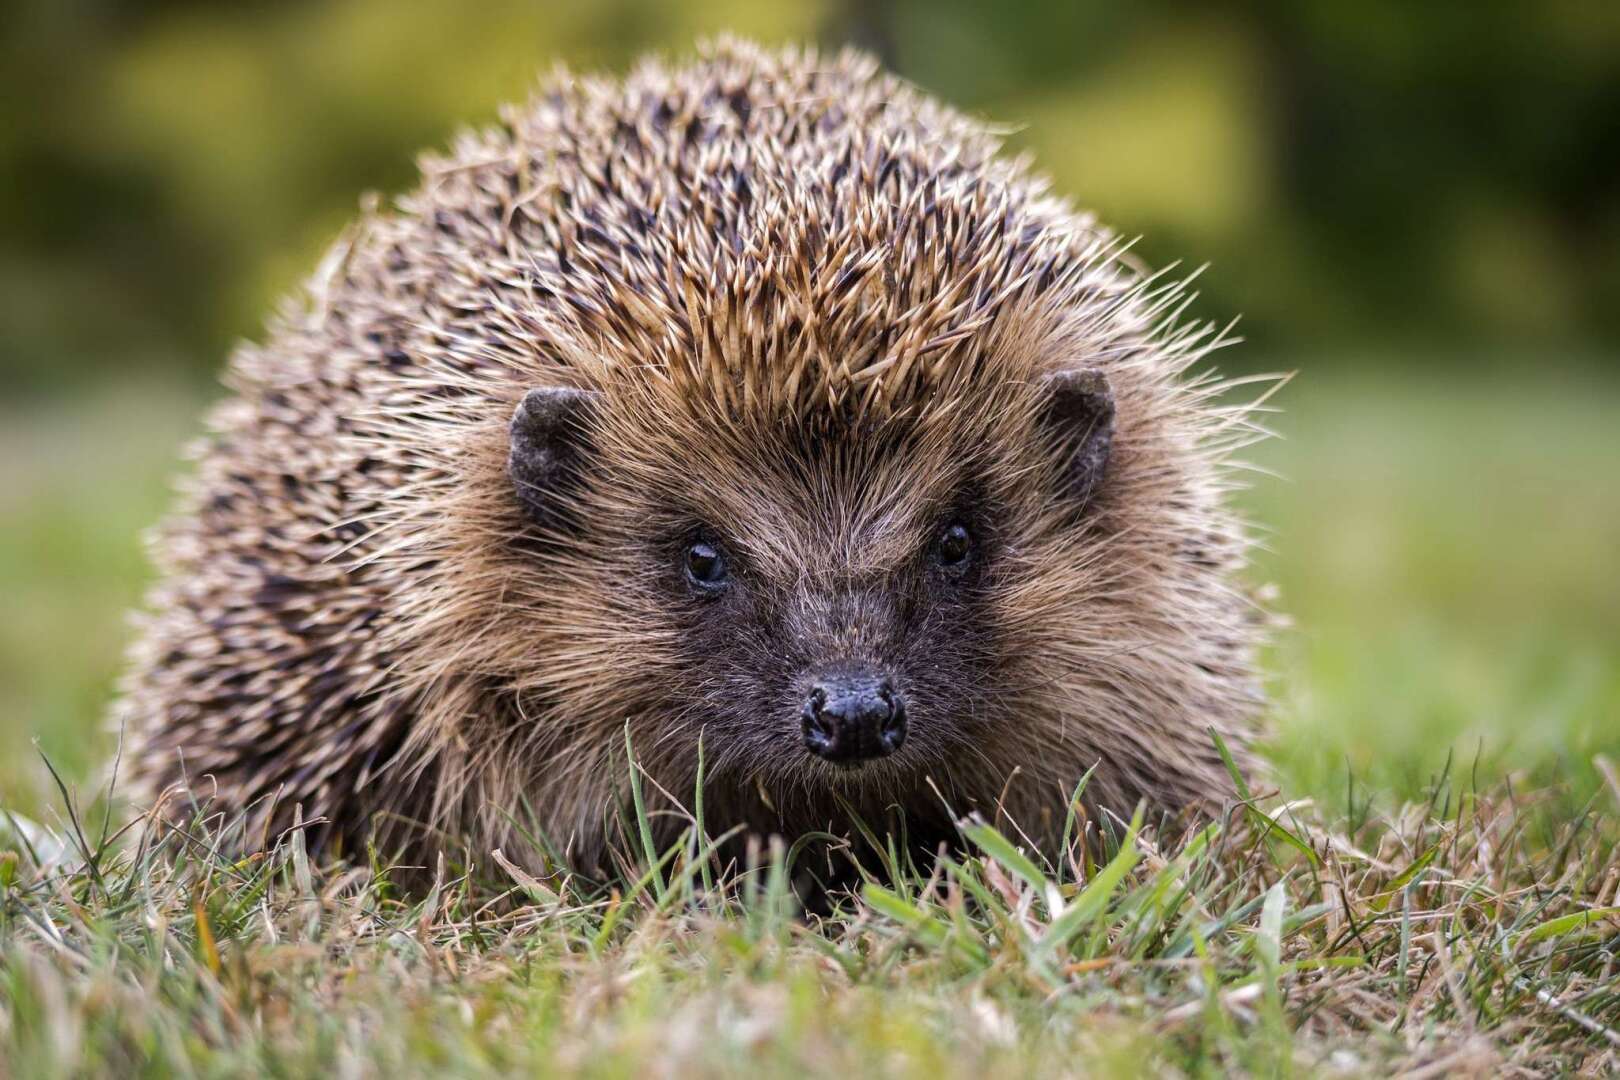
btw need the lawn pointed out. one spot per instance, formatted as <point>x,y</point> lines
<point>1445,544</point>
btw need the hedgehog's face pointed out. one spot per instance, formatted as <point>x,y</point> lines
<point>827,662</point>
<point>827,608</point>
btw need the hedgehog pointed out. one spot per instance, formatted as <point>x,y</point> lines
<point>751,426</point>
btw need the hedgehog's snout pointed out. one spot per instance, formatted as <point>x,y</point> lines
<point>851,717</point>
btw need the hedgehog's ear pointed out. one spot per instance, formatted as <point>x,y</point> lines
<point>1079,410</point>
<point>549,431</point>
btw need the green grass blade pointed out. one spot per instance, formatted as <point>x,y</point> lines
<point>1093,899</point>
<point>1564,924</point>
<point>998,847</point>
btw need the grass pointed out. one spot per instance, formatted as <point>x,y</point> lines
<point>1462,934</point>
<point>78,485</point>
<point>1446,549</point>
<point>1446,546</point>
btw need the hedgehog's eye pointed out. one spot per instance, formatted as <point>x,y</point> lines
<point>706,565</point>
<point>955,545</point>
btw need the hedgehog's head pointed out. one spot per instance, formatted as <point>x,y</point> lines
<point>833,602</point>
<point>859,494</point>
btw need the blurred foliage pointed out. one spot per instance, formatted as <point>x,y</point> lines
<point>1431,174</point>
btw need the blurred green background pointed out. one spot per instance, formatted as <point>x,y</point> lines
<point>1416,206</point>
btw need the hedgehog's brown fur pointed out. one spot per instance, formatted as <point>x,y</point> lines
<point>747,257</point>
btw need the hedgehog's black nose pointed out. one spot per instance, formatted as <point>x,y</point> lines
<point>853,718</point>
